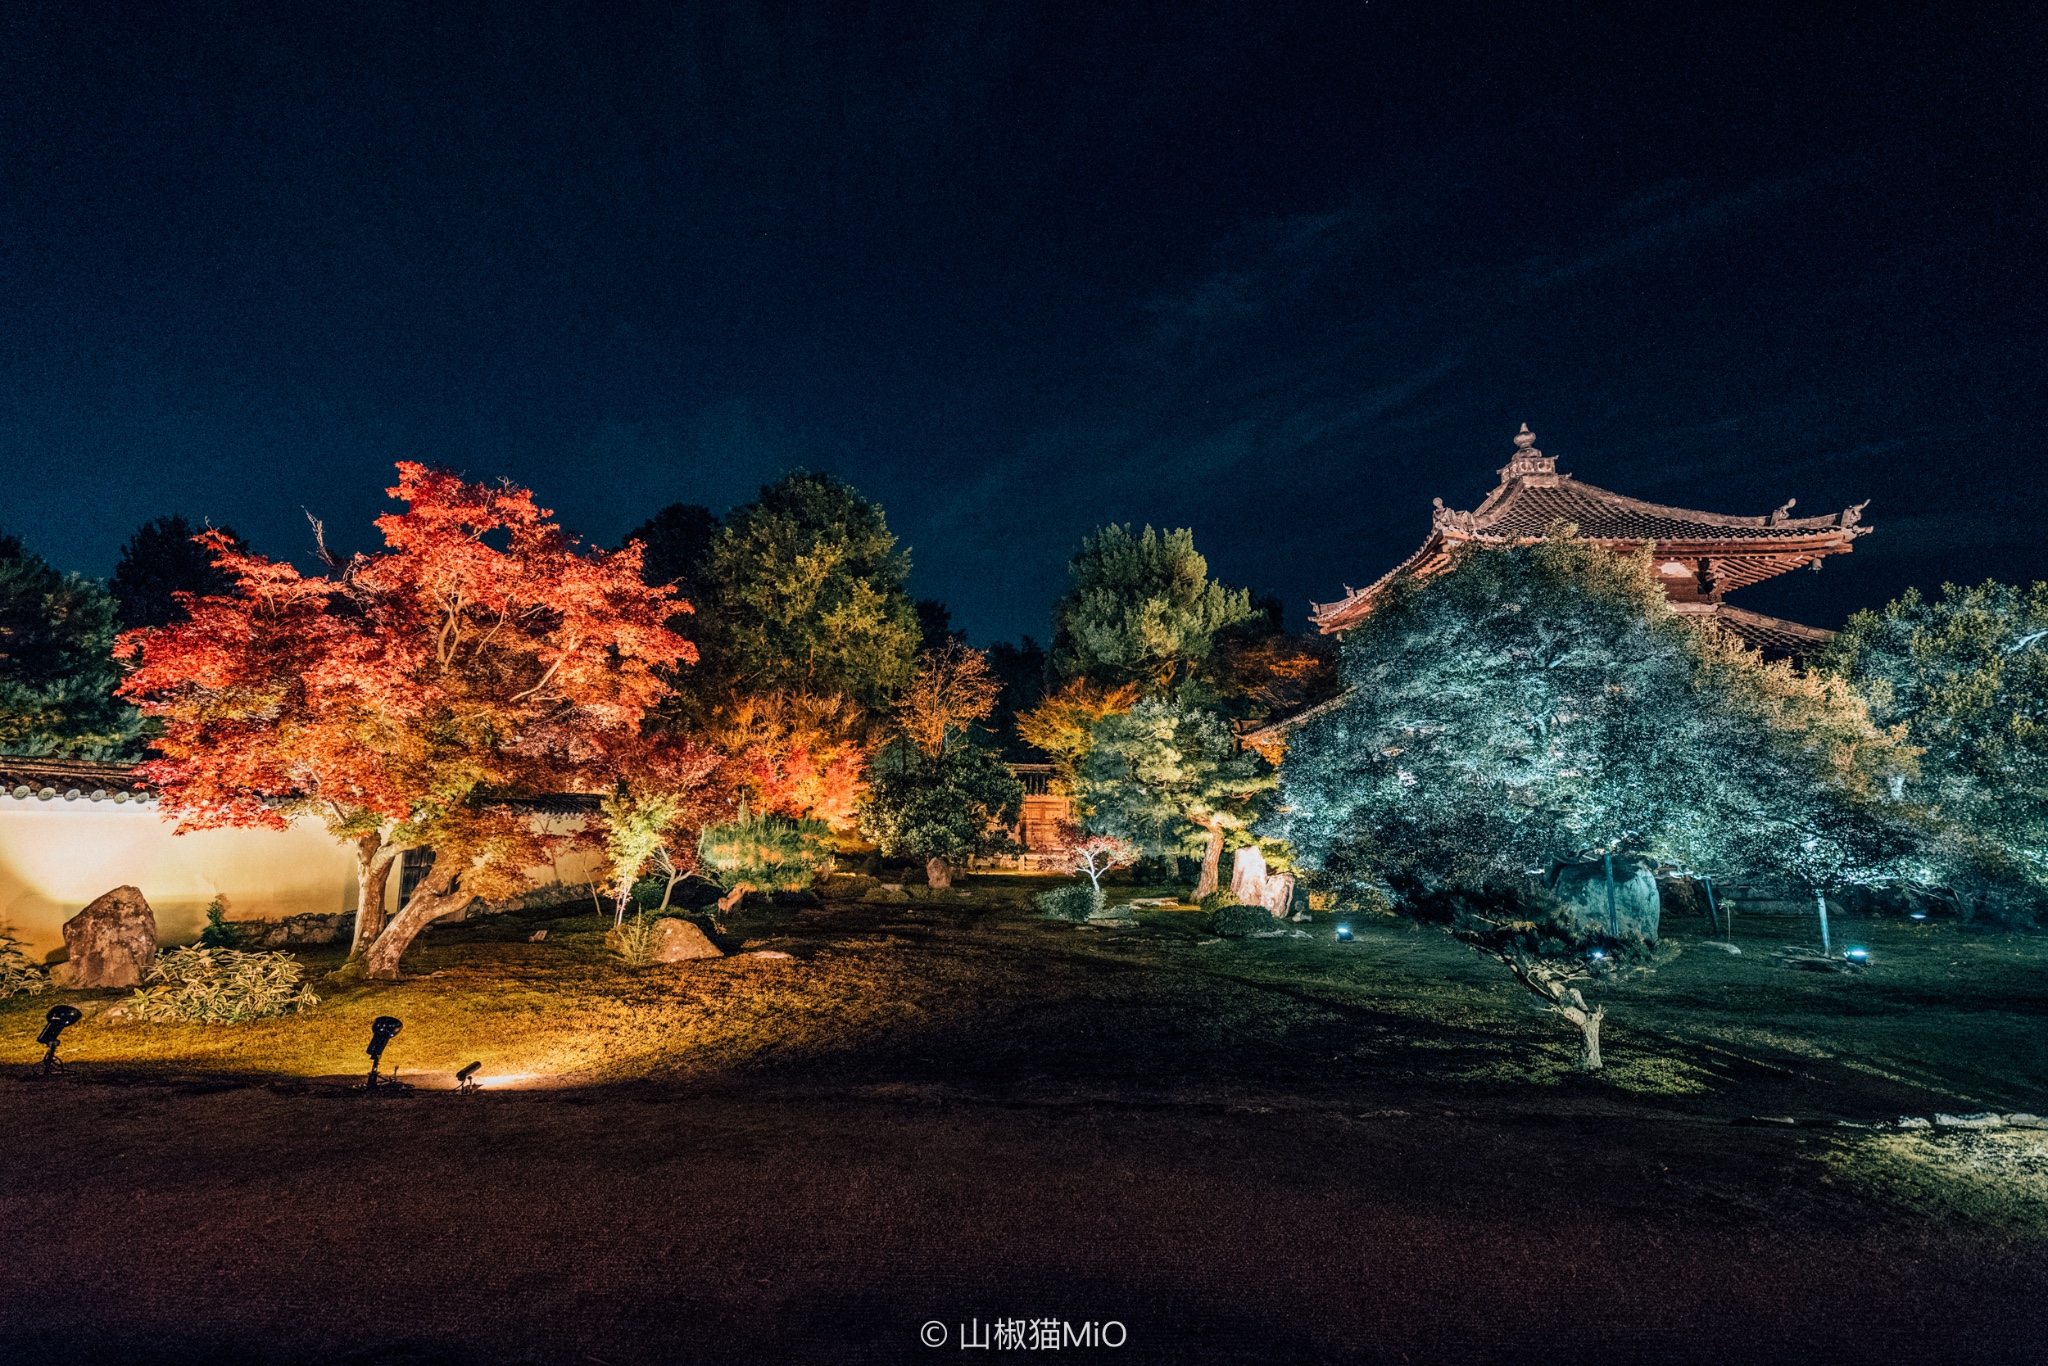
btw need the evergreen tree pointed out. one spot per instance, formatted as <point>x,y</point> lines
<point>1541,704</point>
<point>1169,778</point>
<point>164,558</point>
<point>763,853</point>
<point>676,549</point>
<point>806,594</point>
<point>57,669</point>
<point>1021,667</point>
<point>1967,677</point>
<point>1140,609</point>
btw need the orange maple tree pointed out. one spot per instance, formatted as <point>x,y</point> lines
<point>415,698</point>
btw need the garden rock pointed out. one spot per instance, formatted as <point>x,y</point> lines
<point>1113,915</point>
<point>1237,922</point>
<point>1628,904</point>
<point>112,942</point>
<point>678,941</point>
<point>1253,885</point>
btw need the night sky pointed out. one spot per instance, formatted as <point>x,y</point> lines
<point>1281,274</point>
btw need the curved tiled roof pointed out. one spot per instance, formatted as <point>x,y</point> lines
<point>1776,637</point>
<point>69,779</point>
<point>1704,554</point>
<point>88,780</point>
<point>1527,507</point>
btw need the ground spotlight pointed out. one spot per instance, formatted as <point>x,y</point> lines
<point>1858,954</point>
<point>55,1023</point>
<point>1597,953</point>
<point>383,1030</point>
<point>1917,915</point>
<point>465,1080</point>
<point>1343,934</point>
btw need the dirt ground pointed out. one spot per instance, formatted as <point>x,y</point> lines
<point>1273,1151</point>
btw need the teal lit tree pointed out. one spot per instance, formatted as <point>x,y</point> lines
<point>1966,675</point>
<point>1541,704</point>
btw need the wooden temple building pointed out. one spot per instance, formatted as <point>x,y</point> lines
<point>1701,557</point>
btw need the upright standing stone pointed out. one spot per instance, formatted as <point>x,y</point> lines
<point>112,942</point>
<point>1248,876</point>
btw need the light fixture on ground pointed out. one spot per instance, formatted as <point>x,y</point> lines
<point>465,1080</point>
<point>55,1023</point>
<point>1857,954</point>
<point>1343,934</point>
<point>383,1030</point>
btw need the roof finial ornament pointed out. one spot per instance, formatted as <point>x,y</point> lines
<point>1527,459</point>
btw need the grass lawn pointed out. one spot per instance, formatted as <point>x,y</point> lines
<point>975,993</point>
<point>1261,1150</point>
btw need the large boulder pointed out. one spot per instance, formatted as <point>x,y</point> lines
<point>112,942</point>
<point>1253,885</point>
<point>678,941</point>
<point>1626,904</point>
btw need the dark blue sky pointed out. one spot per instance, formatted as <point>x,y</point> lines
<point>1279,273</point>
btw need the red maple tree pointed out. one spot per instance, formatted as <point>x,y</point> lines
<point>413,698</point>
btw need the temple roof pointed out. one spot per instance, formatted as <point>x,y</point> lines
<point>1702,555</point>
<point>1775,637</point>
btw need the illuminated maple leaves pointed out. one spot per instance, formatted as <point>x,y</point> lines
<point>410,694</point>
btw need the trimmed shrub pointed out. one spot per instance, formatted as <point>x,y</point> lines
<point>19,976</point>
<point>221,986</point>
<point>1220,898</point>
<point>633,941</point>
<point>1075,902</point>
<point>1237,922</point>
<point>848,886</point>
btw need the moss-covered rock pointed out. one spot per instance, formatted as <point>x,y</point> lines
<point>1239,922</point>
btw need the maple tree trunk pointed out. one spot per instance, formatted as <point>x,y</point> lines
<point>431,900</point>
<point>732,898</point>
<point>938,872</point>
<point>373,873</point>
<point>1212,860</point>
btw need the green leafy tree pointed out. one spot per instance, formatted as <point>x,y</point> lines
<point>1169,777</point>
<point>942,809</point>
<point>1967,677</point>
<point>938,793</point>
<point>161,560</point>
<point>676,549</point>
<point>1140,609</point>
<point>57,669</point>
<point>807,594</point>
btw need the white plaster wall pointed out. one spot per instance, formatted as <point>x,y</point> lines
<point>56,855</point>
